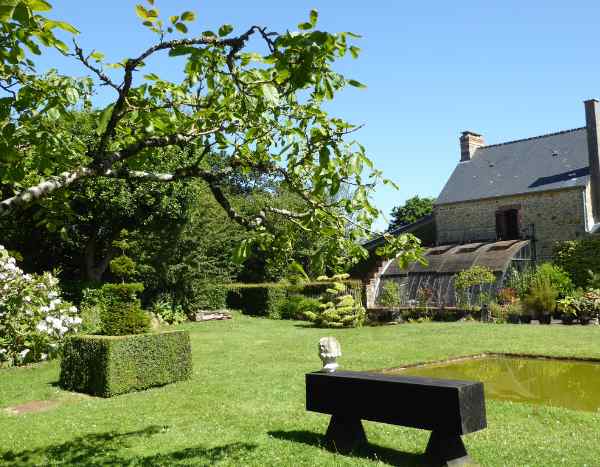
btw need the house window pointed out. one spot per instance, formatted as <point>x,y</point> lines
<point>507,224</point>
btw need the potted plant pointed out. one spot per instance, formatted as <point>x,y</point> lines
<point>513,312</point>
<point>541,299</point>
<point>569,308</point>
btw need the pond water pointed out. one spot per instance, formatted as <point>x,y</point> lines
<point>565,383</point>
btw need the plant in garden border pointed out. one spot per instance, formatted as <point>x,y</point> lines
<point>466,282</point>
<point>33,318</point>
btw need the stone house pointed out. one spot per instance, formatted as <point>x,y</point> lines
<point>503,204</point>
<point>545,188</point>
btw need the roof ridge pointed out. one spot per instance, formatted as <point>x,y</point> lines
<point>532,137</point>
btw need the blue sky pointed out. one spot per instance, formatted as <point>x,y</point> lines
<point>508,70</point>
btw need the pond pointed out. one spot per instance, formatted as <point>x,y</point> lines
<point>574,384</point>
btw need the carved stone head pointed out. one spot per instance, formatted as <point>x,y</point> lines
<point>329,351</point>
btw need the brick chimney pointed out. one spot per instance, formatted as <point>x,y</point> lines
<point>591,123</point>
<point>469,142</point>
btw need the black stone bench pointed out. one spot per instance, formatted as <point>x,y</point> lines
<point>447,408</point>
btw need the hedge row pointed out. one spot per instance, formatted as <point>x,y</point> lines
<point>107,366</point>
<point>268,299</point>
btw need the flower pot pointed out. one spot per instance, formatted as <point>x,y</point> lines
<point>526,319</point>
<point>513,319</point>
<point>545,318</point>
<point>568,319</point>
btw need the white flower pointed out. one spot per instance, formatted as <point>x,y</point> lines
<point>44,356</point>
<point>73,309</point>
<point>77,320</point>
<point>42,326</point>
<point>52,294</point>
<point>23,354</point>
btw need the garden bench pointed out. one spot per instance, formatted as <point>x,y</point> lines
<point>447,408</point>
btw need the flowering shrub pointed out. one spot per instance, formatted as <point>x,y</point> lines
<point>33,318</point>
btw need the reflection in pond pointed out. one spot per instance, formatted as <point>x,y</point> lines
<point>565,383</point>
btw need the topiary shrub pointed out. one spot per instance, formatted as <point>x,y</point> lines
<point>123,314</point>
<point>338,308</point>
<point>107,366</point>
<point>207,295</point>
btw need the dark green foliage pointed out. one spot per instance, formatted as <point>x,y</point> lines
<point>208,295</point>
<point>577,257</point>
<point>123,314</point>
<point>107,366</point>
<point>412,210</point>
<point>258,300</point>
<point>124,319</point>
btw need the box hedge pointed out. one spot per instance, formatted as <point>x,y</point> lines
<point>110,365</point>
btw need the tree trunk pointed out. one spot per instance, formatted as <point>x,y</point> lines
<point>94,271</point>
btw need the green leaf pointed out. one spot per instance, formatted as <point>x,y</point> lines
<point>53,113</point>
<point>39,5</point>
<point>225,29</point>
<point>324,157</point>
<point>181,27</point>
<point>174,19</point>
<point>270,93</point>
<point>305,26</point>
<point>104,119</point>
<point>142,12</point>
<point>356,84</point>
<point>51,24</point>
<point>72,95</point>
<point>314,16</point>
<point>98,56</point>
<point>188,16</point>
<point>7,7</point>
<point>354,51</point>
<point>152,77</point>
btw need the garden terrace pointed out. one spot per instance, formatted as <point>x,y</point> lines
<point>245,402</point>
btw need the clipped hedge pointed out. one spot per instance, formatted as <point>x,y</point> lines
<point>107,366</point>
<point>270,299</point>
<point>577,257</point>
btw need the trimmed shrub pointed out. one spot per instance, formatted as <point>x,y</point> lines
<point>207,296</point>
<point>258,300</point>
<point>577,257</point>
<point>123,314</point>
<point>338,308</point>
<point>107,366</point>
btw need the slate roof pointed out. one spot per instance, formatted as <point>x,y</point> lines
<point>542,163</point>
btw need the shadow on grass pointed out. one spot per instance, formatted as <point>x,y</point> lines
<point>100,449</point>
<point>371,451</point>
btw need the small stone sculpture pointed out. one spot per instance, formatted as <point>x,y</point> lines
<point>329,351</point>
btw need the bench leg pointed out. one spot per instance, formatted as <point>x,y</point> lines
<point>447,450</point>
<point>345,434</point>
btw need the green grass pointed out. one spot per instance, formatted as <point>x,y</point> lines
<point>245,402</point>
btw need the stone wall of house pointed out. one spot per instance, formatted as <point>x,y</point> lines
<point>556,215</point>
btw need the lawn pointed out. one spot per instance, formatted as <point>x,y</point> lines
<point>245,402</point>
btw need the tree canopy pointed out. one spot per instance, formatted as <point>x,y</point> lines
<point>248,105</point>
<point>411,211</point>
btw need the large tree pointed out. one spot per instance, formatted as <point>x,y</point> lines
<point>247,104</point>
<point>411,211</point>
